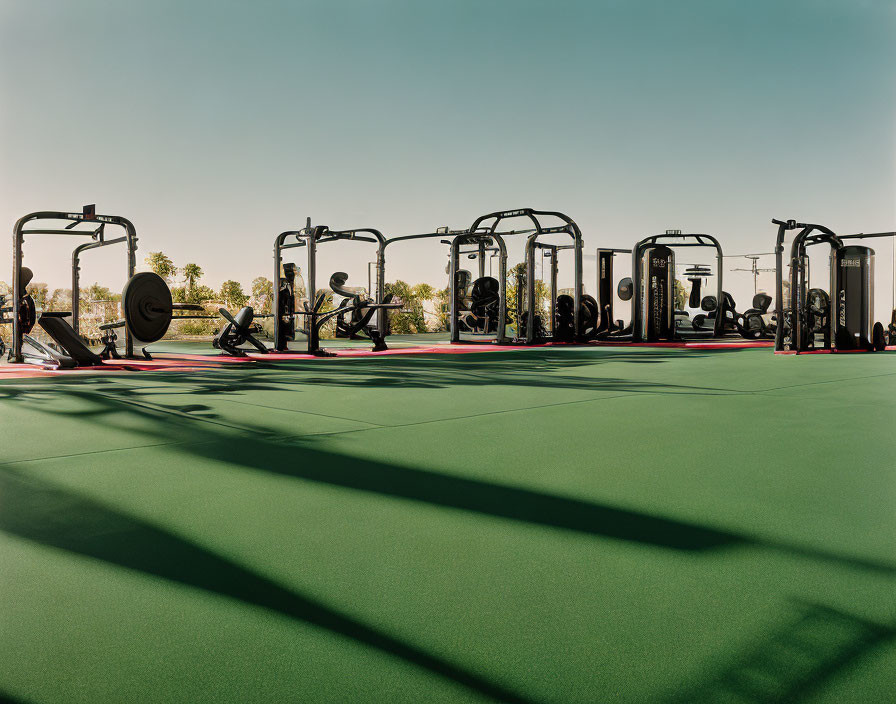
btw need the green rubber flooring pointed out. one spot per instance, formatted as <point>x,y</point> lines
<point>551,525</point>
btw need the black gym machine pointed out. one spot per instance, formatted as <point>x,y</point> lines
<point>71,349</point>
<point>651,292</point>
<point>353,316</point>
<point>146,300</point>
<point>478,308</point>
<point>486,298</point>
<point>571,318</point>
<point>813,319</point>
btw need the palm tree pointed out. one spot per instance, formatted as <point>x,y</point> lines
<point>192,273</point>
<point>232,294</point>
<point>161,264</point>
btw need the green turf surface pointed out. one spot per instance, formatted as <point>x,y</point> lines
<point>550,525</point>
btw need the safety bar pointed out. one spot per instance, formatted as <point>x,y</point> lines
<point>91,233</point>
<point>869,235</point>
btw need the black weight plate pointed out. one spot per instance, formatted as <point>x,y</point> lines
<point>626,289</point>
<point>878,338</point>
<point>486,286</point>
<point>27,314</point>
<point>818,300</point>
<point>750,326</point>
<point>565,304</point>
<point>709,303</point>
<point>462,281</point>
<point>485,293</point>
<point>147,306</point>
<point>564,328</point>
<point>589,315</point>
<point>25,276</point>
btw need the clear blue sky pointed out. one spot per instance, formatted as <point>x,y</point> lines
<point>214,125</point>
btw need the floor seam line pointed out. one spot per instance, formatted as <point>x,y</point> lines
<point>309,413</point>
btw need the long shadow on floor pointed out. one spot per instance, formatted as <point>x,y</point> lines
<point>542,369</point>
<point>39,512</point>
<point>255,448</point>
<point>9,699</point>
<point>526,370</point>
<point>795,659</point>
<point>68,521</point>
<point>535,369</point>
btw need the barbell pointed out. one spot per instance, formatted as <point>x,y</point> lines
<point>149,309</point>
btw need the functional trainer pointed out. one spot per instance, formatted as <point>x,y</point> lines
<point>840,319</point>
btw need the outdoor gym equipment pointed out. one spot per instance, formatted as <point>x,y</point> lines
<point>755,323</point>
<point>478,307</point>
<point>811,318</point>
<point>651,293</point>
<point>23,316</point>
<point>478,303</point>
<point>695,275</point>
<point>148,311</point>
<point>66,352</point>
<point>572,320</point>
<point>239,330</point>
<point>354,314</point>
<point>574,323</point>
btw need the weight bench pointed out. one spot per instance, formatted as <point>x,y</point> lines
<point>240,329</point>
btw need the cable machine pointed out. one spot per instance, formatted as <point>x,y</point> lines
<point>843,318</point>
<point>651,290</point>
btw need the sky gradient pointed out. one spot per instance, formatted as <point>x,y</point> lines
<point>214,125</point>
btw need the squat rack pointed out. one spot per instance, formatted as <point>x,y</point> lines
<point>483,236</point>
<point>532,243</point>
<point>98,236</point>
<point>482,240</point>
<point>440,232</point>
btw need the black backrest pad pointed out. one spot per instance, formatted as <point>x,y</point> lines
<point>64,336</point>
<point>243,318</point>
<point>762,301</point>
